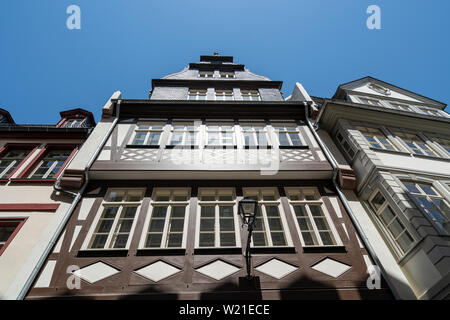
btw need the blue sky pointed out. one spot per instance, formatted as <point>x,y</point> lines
<point>122,45</point>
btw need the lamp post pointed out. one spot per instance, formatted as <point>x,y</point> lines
<point>248,209</point>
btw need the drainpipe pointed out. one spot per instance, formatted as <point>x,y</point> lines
<point>343,198</point>
<point>69,212</point>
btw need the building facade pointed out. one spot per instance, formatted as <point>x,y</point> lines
<point>32,157</point>
<point>158,215</point>
<point>398,143</point>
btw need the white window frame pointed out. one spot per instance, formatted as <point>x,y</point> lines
<point>294,130</point>
<point>400,135</point>
<point>250,94</point>
<point>401,106</point>
<point>170,204</point>
<point>198,93</point>
<point>221,94</point>
<point>217,203</point>
<point>121,204</point>
<point>254,133</point>
<point>151,128</point>
<point>221,132</point>
<point>378,104</point>
<point>368,130</point>
<point>306,203</point>
<point>74,123</point>
<point>15,162</point>
<point>429,198</point>
<point>393,241</point>
<point>262,211</point>
<point>189,128</point>
<point>53,166</point>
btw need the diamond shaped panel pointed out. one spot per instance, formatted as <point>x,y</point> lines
<point>157,271</point>
<point>331,267</point>
<point>218,269</point>
<point>276,268</point>
<point>96,272</point>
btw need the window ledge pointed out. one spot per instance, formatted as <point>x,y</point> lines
<point>257,147</point>
<point>272,250</point>
<point>178,146</point>
<point>161,252</point>
<point>294,147</point>
<point>223,250</point>
<point>102,253</point>
<point>26,180</point>
<point>405,153</point>
<point>220,146</point>
<point>142,146</point>
<point>425,156</point>
<point>324,249</point>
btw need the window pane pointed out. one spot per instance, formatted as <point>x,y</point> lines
<point>226,224</point>
<point>178,212</point>
<point>175,240</point>
<point>99,241</point>
<point>156,225</point>
<point>405,241</point>
<point>207,224</point>
<point>159,212</point>
<point>139,138</point>
<point>295,138</point>
<point>153,140</point>
<point>227,240</point>
<point>105,226</point>
<point>206,240</point>
<point>427,189</point>
<point>387,215</point>
<point>153,241</point>
<point>396,228</point>
<point>283,139</point>
<point>176,225</point>
<point>278,238</point>
<point>129,212</point>
<point>121,241</point>
<point>327,238</point>
<point>259,239</point>
<point>208,211</point>
<point>378,201</point>
<point>309,238</point>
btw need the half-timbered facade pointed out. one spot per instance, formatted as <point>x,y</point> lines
<point>32,157</point>
<point>158,217</point>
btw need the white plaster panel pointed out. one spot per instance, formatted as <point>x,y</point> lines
<point>85,207</point>
<point>76,232</point>
<point>46,275</point>
<point>336,206</point>
<point>57,248</point>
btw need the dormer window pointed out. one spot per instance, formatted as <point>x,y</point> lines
<point>227,74</point>
<point>224,94</point>
<point>206,74</point>
<point>372,102</point>
<point>250,95</point>
<point>74,123</point>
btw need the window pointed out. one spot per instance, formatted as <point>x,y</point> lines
<point>313,221</point>
<point>226,74</point>
<point>444,143</point>
<point>345,146</point>
<point>184,134</point>
<point>206,74</point>
<point>50,165</point>
<point>288,135</point>
<point>415,143</point>
<point>255,135</point>
<point>270,228</point>
<point>400,106</point>
<point>433,203</point>
<point>397,232</point>
<point>197,94</point>
<point>250,95</point>
<point>166,225</point>
<point>73,123</point>
<point>224,94</point>
<point>220,134</point>
<point>373,102</point>
<point>116,219</point>
<point>8,229</point>
<point>376,138</point>
<point>148,134</point>
<point>217,221</point>
<point>11,160</point>
<point>431,112</point>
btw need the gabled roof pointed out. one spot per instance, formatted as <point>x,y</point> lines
<point>341,91</point>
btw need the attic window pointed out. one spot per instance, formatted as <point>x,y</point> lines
<point>206,74</point>
<point>380,89</point>
<point>74,123</point>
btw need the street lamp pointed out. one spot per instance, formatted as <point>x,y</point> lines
<point>248,210</point>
